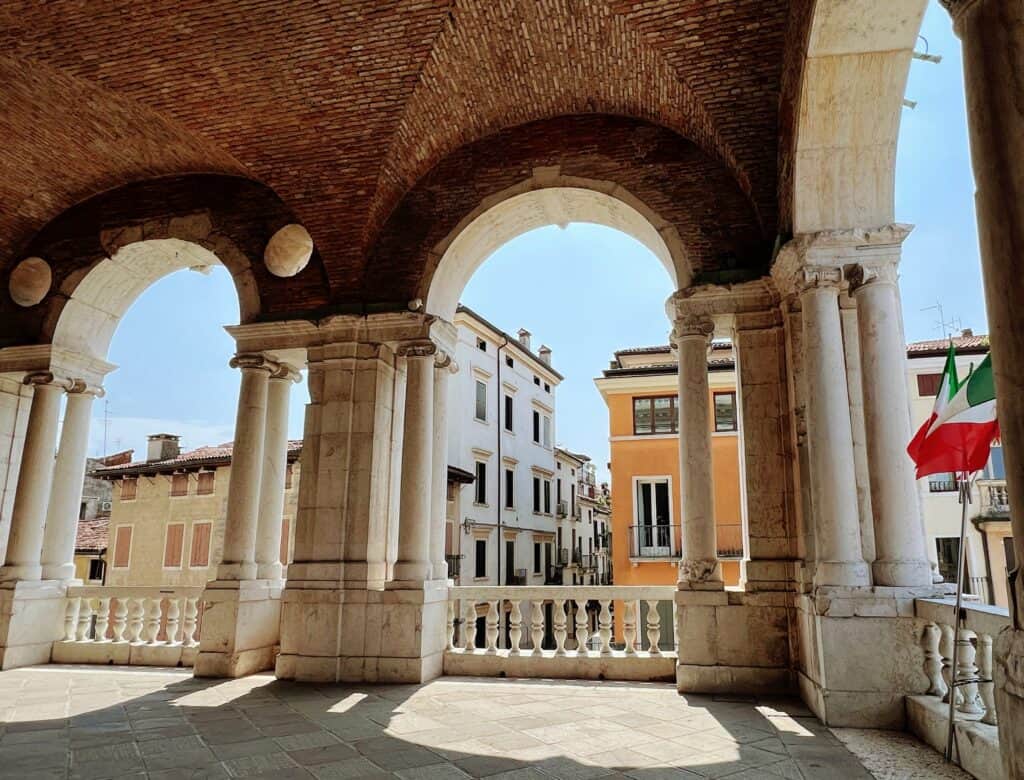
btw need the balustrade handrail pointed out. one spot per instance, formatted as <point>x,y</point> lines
<point>131,591</point>
<point>589,592</point>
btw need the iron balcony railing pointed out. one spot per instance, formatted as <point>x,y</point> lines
<point>562,508</point>
<point>730,540</point>
<point>577,556</point>
<point>654,541</point>
<point>589,561</point>
<point>454,565</point>
<point>553,576</point>
<point>563,557</point>
<point>995,500</point>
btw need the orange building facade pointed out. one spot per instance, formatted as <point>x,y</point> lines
<point>640,389</point>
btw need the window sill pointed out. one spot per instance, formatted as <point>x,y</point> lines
<point>482,506</point>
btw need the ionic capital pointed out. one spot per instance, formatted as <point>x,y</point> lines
<point>250,360</point>
<point>819,277</point>
<point>862,275</point>
<point>81,387</point>
<point>38,378</point>
<point>693,326</point>
<point>286,373</point>
<point>445,360</point>
<point>417,349</point>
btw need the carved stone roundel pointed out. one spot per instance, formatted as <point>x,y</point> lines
<point>30,281</point>
<point>288,251</point>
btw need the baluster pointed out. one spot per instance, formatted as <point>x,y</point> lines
<point>629,612</point>
<point>560,633</point>
<point>470,624</point>
<point>152,628</point>
<point>986,688</point>
<point>946,650</point>
<point>449,627</point>
<point>136,611</point>
<point>191,614</point>
<point>537,626</point>
<point>933,660</point>
<point>492,627</point>
<point>173,620</point>
<point>515,628</point>
<point>653,627</point>
<point>582,627</point>
<point>120,618</point>
<point>966,670</point>
<point>102,620</point>
<point>84,619</point>
<point>71,619</point>
<point>604,627</point>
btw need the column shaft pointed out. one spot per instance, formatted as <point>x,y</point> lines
<point>25,544</point>
<point>58,557</point>
<point>238,561</point>
<point>439,472</point>
<point>830,436</point>
<point>413,564</point>
<point>275,465</point>
<point>899,545</point>
<point>699,562</point>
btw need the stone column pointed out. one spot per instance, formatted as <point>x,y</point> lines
<point>25,545</point>
<point>444,367</point>
<point>899,546</point>
<point>58,556</point>
<point>275,465</point>
<point>699,567</point>
<point>830,436</point>
<point>414,520</point>
<point>992,33</point>
<point>238,561</point>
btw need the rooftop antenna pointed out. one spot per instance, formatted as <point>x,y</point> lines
<point>924,56</point>
<point>945,327</point>
<point>106,424</point>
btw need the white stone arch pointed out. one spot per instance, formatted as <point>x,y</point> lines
<point>546,198</point>
<point>85,324</point>
<point>848,117</point>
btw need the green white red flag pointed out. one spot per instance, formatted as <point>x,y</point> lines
<point>959,433</point>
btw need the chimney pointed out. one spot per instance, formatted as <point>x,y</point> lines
<point>967,332</point>
<point>162,446</point>
<point>545,354</point>
<point>524,338</point>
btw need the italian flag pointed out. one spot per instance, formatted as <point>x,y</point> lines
<point>960,431</point>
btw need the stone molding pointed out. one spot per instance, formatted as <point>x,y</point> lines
<point>46,358</point>
<point>697,570</point>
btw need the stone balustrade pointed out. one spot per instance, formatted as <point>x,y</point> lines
<point>130,626</point>
<point>584,632</point>
<point>976,738</point>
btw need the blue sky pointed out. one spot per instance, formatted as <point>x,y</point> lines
<point>585,291</point>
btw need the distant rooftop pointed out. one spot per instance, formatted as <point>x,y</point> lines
<point>219,455</point>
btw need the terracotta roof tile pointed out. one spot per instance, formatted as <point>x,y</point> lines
<point>208,455</point>
<point>92,533</point>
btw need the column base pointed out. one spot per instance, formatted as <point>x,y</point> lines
<point>907,574</point>
<point>846,574</point>
<point>860,654</point>
<point>236,572</point>
<point>29,572</point>
<point>1008,653</point>
<point>333,634</point>
<point>64,572</point>
<point>240,628</point>
<point>31,620</point>
<point>733,642</point>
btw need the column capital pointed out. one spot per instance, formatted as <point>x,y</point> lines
<point>420,348</point>
<point>445,360</point>
<point>286,373</point>
<point>819,277</point>
<point>860,275</point>
<point>693,326</point>
<point>956,9</point>
<point>253,360</point>
<point>46,378</point>
<point>81,387</point>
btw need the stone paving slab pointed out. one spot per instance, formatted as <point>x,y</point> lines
<point>165,724</point>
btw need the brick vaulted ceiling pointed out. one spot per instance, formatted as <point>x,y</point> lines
<point>353,113</point>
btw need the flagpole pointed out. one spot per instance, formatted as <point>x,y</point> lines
<point>965,499</point>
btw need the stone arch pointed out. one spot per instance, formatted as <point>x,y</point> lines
<point>847,115</point>
<point>546,198</point>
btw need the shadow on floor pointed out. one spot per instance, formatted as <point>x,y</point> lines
<point>98,722</point>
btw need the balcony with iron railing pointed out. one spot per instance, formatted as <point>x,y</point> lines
<point>654,542</point>
<point>729,540</point>
<point>995,500</point>
<point>454,565</point>
<point>562,509</point>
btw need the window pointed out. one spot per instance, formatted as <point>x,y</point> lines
<point>286,538</point>
<point>996,468</point>
<point>510,362</point>
<point>547,496</point>
<point>199,552</point>
<point>1010,553</point>
<point>508,413</point>
<point>653,518</point>
<point>547,431</point>
<point>944,482</point>
<point>655,415</point>
<point>481,558</point>
<point>205,484</point>
<point>129,488</point>
<point>122,546</point>
<point>536,494</point>
<point>536,426</point>
<point>510,489</point>
<point>536,381</point>
<point>928,384</point>
<point>481,401</point>
<point>547,388</point>
<point>480,487</point>
<point>510,562</point>
<point>948,549</point>
<point>481,345</point>
<point>97,568</point>
<point>179,484</point>
<point>536,557</point>
<point>174,541</point>
<point>725,411</point>
<point>288,477</point>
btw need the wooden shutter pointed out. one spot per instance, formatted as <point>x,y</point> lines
<point>173,543</point>
<point>122,546</point>
<point>179,484</point>
<point>928,384</point>
<point>286,530</point>
<point>199,555</point>
<point>129,488</point>
<point>206,482</point>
